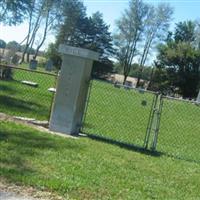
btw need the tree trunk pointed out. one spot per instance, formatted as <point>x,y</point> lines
<point>139,77</point>
<point>125,77</point>
<point>44,36</point>
<point>151,78</point>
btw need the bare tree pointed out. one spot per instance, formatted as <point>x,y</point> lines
<point>51,16</point>
<point>155,27</point>
<point>42,18</point>
<point>33,25</point>
<point>129,32</point>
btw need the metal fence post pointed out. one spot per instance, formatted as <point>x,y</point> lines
<point>157,119</point>
<point>150,121</point>
<point>86,104</point>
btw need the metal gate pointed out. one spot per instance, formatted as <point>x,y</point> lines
<point>122,114</point>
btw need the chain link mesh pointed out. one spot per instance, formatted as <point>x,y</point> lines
<point>117,112</point>
<point>25,92</point>
<point>179,134</point>
<point>114,111</point>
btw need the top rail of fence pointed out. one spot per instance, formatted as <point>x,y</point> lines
<point>181,100</point>
<point>28,70</point>
<point>128,87</point>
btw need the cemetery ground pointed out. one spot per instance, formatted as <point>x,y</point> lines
<point>114,113</point>
<point>23,100</point>
<point>88,169</point>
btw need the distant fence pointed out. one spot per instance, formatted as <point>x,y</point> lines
<point>142,118</point>
<point>26,93</point>
<point>179,133</point>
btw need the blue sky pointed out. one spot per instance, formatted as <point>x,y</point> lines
<point>112,9</point>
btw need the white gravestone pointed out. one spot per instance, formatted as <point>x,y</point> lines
<point>71,91</point>
<point>198,97</point>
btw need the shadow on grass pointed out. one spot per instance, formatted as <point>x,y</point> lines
<point>8,89</point>
<point>140,149</point>
<point>127,146</point>
<point>182,158</point>
<point>10,102</point>
<point>20,147</point>
<point>17,106</point>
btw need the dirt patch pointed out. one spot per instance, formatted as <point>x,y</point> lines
<point>38,125</point>
<point>23,192</point>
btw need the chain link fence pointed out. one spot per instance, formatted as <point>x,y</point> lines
<point>179,134</point>
<point>26,93</point>
<point>118,112</point>
<point>150,120</point>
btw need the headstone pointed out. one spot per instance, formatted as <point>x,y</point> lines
<point>49,65</point>
<point>53,90</point>
<point>15,59</point>
<point>72,88</point>
<point>33,64</point>
<point>198,97</point>
<point>30,83</point>
<point>117,84</point>
<point>7,58</point>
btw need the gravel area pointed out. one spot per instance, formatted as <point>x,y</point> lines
<point>10,191</point>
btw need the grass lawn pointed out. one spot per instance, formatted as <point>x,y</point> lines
<point>119,114</point>
<point>87,169</point>
<point>180,129</point>
<point>27,101</point>
<point>114,113</point>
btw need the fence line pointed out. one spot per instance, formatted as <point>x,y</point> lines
<point>25,92</point>
<point>25,69</point>
<point>125,114</point>
<point>114,111</point>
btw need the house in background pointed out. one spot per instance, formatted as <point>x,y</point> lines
<point>130,81</point>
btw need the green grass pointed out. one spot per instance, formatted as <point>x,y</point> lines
<point>114,113</point>
<point>119,114</point>
<point>27,101</point>
<point>180,129</point>
<point>88,169</point>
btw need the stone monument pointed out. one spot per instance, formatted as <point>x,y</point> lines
<point>33,64</point>
<point>72,87</point>
<point>49,65</point>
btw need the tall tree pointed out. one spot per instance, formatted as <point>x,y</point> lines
<point>2,44</point>
<point>43,16</point>
<point>99,38</point>
<point>185,32</point>
<point>74,23</point>
<point>87,32</point>
<point>34,19</point>
<point>68,31</point>
<point>155,28</point>
<point>181,59</point>
<point>13,12</point>
<point>129,31</point>
<point>51,16</point>
<point>13,45</point>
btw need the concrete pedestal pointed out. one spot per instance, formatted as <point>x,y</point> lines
<point>71,91</point>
